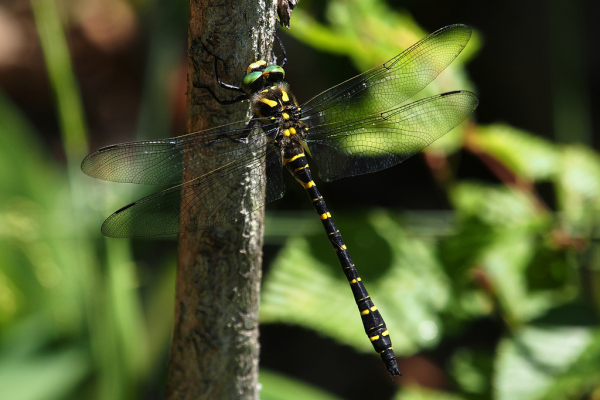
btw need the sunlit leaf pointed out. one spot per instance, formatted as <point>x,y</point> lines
<point>529,363</point>
<point>53,375</point>
<point>278,387</point>
<point>499,206</point>
<point>472,370</point>
<point>500,232</point>
<point>526,155</point>
<point>583,376</point>
<point>414,392</point>
<point>578,188</point>
<point>301,290</point>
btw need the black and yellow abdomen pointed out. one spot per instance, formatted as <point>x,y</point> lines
<point>295,161</point>
<point>277,107</point>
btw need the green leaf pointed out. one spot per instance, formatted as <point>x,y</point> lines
<point>472,370</point>
<point>529,363</point>
<point>583,375</point>
<point>279,387</point>
<point>50,376</point>
<point>18,142</point>
<point>414,392</point>
<point>498,206</point>
<point>499,234</point>
<point>526,155</point>
<point>578,188</point>
<point>301,289</point>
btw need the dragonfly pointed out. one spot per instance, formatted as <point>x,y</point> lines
<point>360,126</point>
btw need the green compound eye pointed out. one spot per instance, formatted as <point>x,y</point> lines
<point>256,66</point>
<point>250,79</point>
<point>275,72</point>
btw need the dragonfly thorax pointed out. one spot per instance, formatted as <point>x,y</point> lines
<point>279,113</point>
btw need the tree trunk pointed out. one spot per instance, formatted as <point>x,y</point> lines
<point>214,353</point>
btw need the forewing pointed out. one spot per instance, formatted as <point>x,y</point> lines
<point>206,201</point>
<point>391,83</point>
<point>161,162</point>
<point>372,143</point>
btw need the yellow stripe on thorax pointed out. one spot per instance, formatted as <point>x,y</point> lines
<point>270,103</point>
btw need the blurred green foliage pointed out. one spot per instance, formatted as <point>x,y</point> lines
<point>75,321</point>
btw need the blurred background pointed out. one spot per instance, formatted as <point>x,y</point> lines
<point>482,252</point>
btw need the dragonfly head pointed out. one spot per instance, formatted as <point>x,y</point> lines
<point>260,75</point>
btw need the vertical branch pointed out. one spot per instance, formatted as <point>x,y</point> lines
<point>214,353</point>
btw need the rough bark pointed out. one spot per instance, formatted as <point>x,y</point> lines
<point>214,353</point>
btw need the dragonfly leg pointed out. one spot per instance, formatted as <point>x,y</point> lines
<point>282,50</point>
<point>240,139</point>
<point>224,85</point>
<point>234,100</point>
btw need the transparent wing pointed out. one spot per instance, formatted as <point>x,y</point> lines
<point>234,153</point>
<point>348,137</point>
<point>371,143</point>
<point>161,162</point>
<point>391,83</point>
<point>212,199</point>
